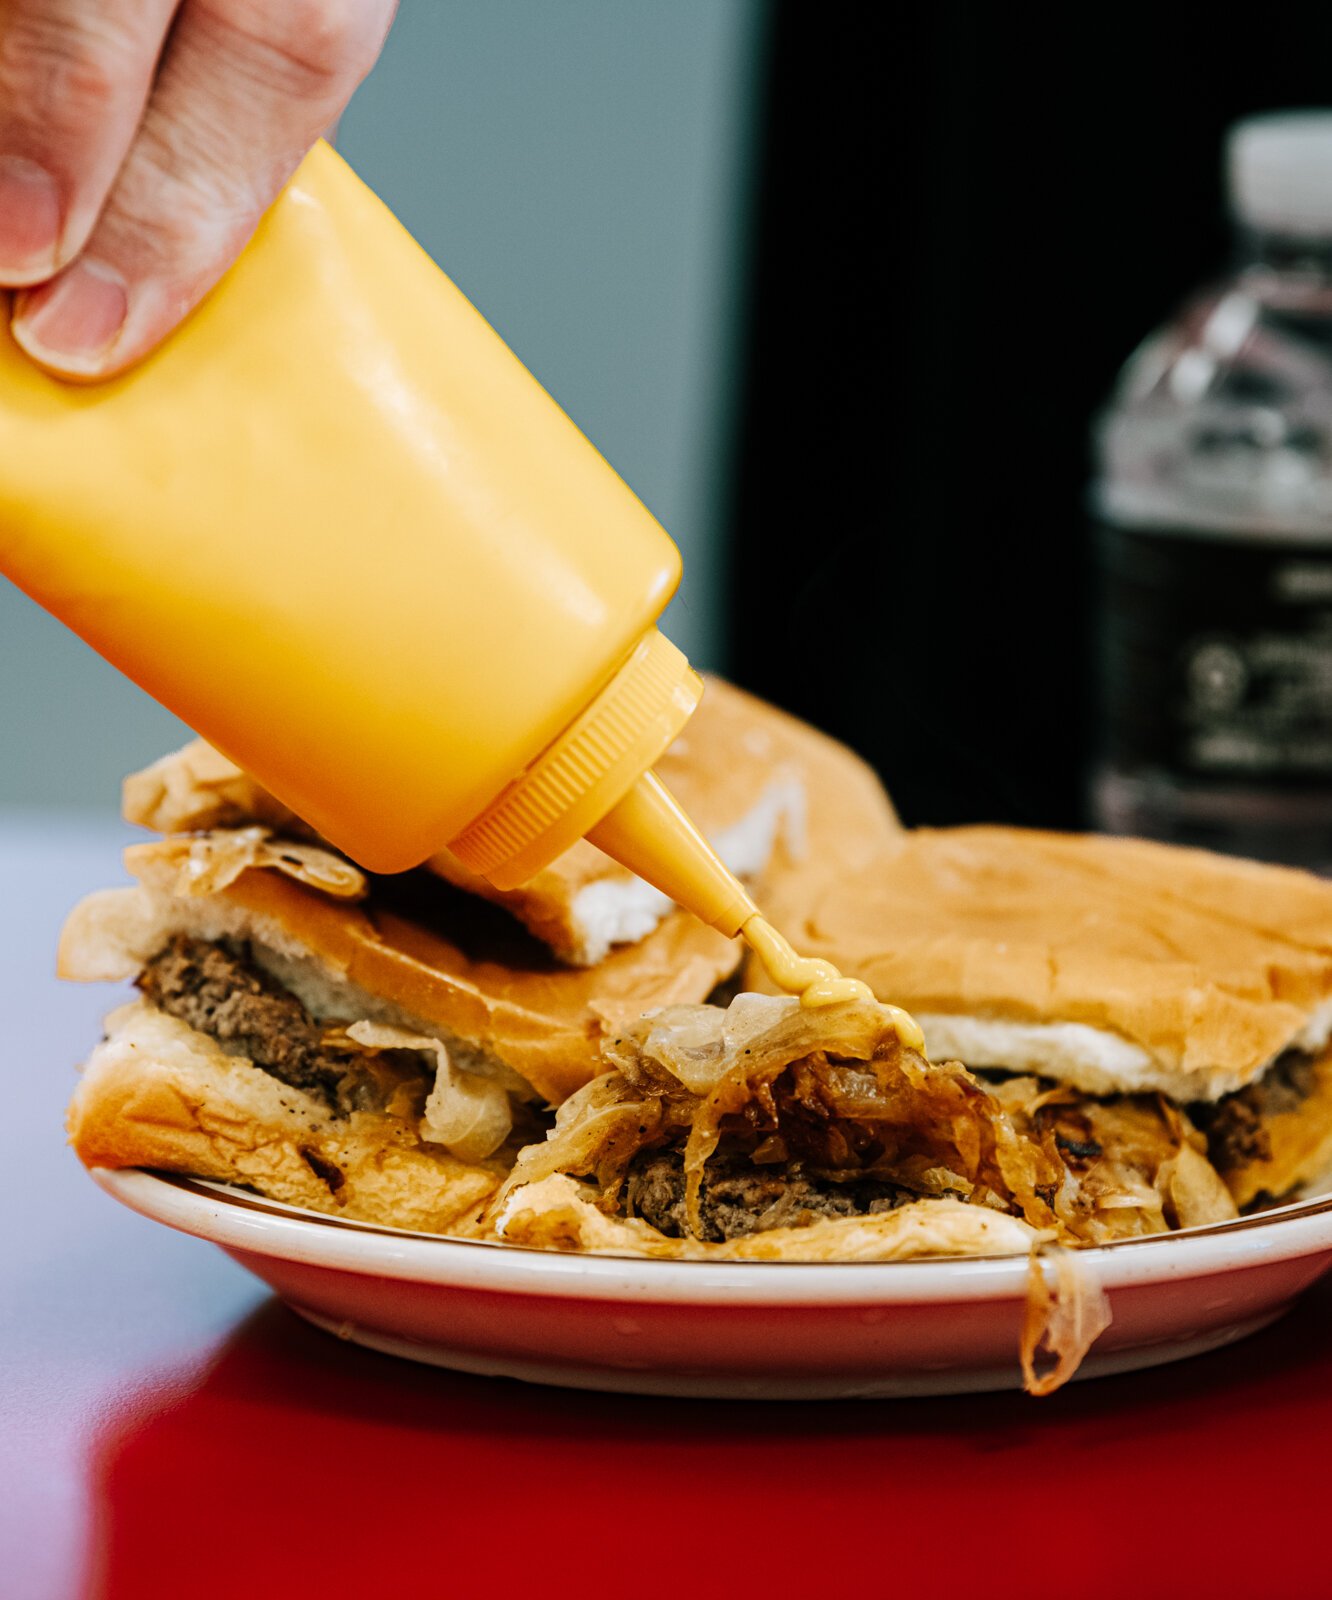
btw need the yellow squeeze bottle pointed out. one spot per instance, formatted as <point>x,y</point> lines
<point>336,526</point>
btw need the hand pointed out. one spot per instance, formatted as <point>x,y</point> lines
<point>141,141</point>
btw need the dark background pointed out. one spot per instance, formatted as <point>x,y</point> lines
<point>967,217</point>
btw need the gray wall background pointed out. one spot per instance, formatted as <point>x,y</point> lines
<point>580,168</point>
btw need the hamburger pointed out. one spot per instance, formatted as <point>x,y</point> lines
<point>1122,1039</point>
<point>1108,988</point>
<point>382,1048</point>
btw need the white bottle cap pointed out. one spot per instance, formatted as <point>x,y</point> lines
<point>1279,168</point>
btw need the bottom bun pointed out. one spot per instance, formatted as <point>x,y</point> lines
<point>157,1093</point>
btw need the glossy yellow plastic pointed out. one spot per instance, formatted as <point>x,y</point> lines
<point>650,833</point>
<point>573,784</point>
<point>337,527</point>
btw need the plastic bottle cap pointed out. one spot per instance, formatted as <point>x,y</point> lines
<point>1279,169</point>
<point>589,768</point>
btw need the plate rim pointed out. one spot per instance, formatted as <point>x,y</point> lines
<point>308,1238</point>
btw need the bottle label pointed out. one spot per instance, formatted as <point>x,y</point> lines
<point>1216,657</point>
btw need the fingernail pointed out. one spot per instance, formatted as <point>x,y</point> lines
<point>29,221</point>
<point>73,321</point>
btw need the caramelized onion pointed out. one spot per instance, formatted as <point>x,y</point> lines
<point>1134,1165</point>
<point>1067,1321</point>
<point>832,1089</point>
<point>469,1115</point>
<point>207,862</point>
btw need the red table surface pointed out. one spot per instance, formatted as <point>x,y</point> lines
<point>168,1429</point>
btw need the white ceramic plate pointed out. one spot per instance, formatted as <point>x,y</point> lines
<point>747,1330</point>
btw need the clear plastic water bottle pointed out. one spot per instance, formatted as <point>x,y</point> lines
<point>1214,513</point>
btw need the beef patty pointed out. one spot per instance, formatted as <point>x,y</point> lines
<point>740,1198</point>
<point>220,990</point>
<point>1234,1126</point>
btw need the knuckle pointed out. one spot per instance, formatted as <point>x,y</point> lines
<point>59,74</point>
<point>309,46</point>
<point>324,36</point>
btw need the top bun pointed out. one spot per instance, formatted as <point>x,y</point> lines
<point>427,958</point>
<point>766,788</point>
<point>1162,968</point>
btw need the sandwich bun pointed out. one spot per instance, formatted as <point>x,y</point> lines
<point>447,966</point>
<point>156,1093</point>
<point>1112,965</point>
<point>782,803</point>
